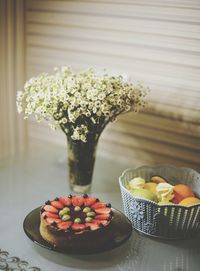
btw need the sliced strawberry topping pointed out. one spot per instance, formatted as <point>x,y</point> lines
<point>53,220</point>
<point>103,210</point>
<point>44,214</point>
<point>64,225</point>
<point>50,208</point>
<point>51,215</point>
<point>78,200</point>
<point>78,227</point>
<point>66,201</point>
<point>57,204</point>
<point>98,205</point>
<point>98,222</point>
<point>103,217</point>
<point>89,201</point>
<point>93,226</point>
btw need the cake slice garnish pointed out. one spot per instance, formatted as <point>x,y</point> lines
<point>66,201</point>
<point>104,210</point>
<point>89,201</point>
<point>53,220</point>
<point>65,225</point>
<point>103,217</point>
<point>50,209</point>
<point>98,205</point>
<point>57,204</point>
<point>78,201</point>
<point>76,213</point>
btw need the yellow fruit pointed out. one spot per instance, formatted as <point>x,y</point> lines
<point>189,201</point>
<point>137,183</point>
<point>158,179</point>
<point>144,194</point>
<point>151,187</point>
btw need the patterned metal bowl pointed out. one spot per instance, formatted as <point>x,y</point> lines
<point>163,221</point>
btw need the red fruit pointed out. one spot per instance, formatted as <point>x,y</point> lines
<point>98,205</point>
<point>51,215</point>
<point>103,210</point>
<point>50,208</point>
<point>103,217</point>
<point>183,190</point>
<point>53,220</point>
<point>64,225</point>
<point>98,222</point>
<point>78,201</point>
<point>78,227</point>
<point>57,204</point>
<point>177,198</point>
<point>89,201</point>
<point>93,226</point>
<point>44,214</point>
<point>66,201</point>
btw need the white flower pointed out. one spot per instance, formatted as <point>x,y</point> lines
<point>80,133</point>
<point>79,101</point>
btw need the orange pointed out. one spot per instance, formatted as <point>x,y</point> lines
<point>157,179</point>
<point>189,201</point>
<point>183,190</point>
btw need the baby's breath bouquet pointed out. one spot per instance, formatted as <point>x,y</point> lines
<point>81,104</point>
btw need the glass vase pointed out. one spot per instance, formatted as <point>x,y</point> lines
<point>81,160</point>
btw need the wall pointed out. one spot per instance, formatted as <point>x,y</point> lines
<point>155,42</point>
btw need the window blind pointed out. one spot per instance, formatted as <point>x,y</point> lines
<point>153,42</point>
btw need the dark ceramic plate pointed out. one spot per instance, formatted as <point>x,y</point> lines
<point>121,227</point>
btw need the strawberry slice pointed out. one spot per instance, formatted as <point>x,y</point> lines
<point>102,217</point>
<point>53,220</point>
<point>93,226</point>
<point>98,222</point>
<point>78,200</point>
<point>98,205</point>
<point>66,201</point>
<point>50,209</point>
<point>78,227</point>
<point>51,215</point>
<point>89,201</point>
<point>44,214</point>
<point>57,204</point>
<point>64,225</point>
<point>103,211</point>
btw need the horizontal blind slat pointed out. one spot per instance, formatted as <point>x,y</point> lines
<point>147,12</point>
<point>134,24</point>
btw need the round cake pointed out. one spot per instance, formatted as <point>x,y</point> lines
<point>72,222</point>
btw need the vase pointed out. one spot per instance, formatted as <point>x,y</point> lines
<point>81,160</point>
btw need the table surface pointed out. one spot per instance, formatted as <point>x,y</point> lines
<point>40,174</point>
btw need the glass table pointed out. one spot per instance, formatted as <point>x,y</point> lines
<point>40,174</point>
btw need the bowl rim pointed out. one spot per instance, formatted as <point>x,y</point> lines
<point>153,167</point>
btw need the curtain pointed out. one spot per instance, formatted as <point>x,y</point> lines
<point>12,70</point>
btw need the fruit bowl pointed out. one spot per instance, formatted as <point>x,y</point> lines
<point>168,221</point>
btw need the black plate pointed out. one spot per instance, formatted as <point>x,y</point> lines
<point>121,227</point>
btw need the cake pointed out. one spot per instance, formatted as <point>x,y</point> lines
<point>72,222</point>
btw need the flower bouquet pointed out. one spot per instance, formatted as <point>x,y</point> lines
<point>81,104</point>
